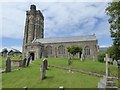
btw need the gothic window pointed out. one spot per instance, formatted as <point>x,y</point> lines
<point>49,50</point>
<point>87,50</point>
<point>61,50</point>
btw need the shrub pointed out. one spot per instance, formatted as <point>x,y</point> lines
<point>101,56</point>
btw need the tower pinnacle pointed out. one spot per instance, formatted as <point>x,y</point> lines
<point>33,7</point>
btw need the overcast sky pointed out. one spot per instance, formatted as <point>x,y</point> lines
<point>61,19</point>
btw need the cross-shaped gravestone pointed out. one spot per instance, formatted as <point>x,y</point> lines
<point>8,65</point>
<point>24,62</point>
<point>43,70</point>
<point>28,61</point>
<point>107,65</point>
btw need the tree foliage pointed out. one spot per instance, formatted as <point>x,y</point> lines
<point>113,10</point>
<point>101,56</point>
<point>74,50</point>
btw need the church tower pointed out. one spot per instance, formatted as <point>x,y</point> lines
<point>34,28</point>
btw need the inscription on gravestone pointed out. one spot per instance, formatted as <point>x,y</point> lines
<point>8,65</point>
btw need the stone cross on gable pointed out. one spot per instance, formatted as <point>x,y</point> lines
<point>107,65</point>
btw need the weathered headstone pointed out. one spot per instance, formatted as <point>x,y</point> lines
<point>46,63</point>
<point>28,61</point>
<point>43,70</point>
<point>82,57</point>
<point>115,63</point>
<point>24,62</point>
<point>8,65</point>
<point>69,60</point>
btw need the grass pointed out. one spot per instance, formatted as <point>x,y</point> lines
<point>87,65</point>
<point>16,58</point>
<point>30,77</point>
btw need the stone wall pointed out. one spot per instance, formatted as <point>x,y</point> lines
<point>55,52</point>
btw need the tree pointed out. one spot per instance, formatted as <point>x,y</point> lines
<point>74,50</point>
<point>111,51</point>
<point>113,10</point>
<point>101,56</point>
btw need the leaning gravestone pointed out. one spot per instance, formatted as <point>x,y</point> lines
<point>43,70</point>
<point>107,81</point>
<point>46,63</point>
<point>8,65</point>
<point>28,61</point>
<point>24,62</point>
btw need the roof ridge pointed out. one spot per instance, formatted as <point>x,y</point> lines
<point>66,37</point>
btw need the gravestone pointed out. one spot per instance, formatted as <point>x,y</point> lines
<point>69,62</point>
<point>8,65</point>
<point>43,70</point>
<point>46,63</point>
<point>82,57</point>
<point>28,61</point>
<point>107,65</point>
<point>115,63</point>
<point>118,62</point>
<point>24,63</point>
<point>107,81</point>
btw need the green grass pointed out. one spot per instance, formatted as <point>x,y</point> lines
<point>30,77</point>
<point>16,58</point>
<point>87,65</point>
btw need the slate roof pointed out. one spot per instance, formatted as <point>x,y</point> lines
<point>14,50</point>
<point>67,39</point>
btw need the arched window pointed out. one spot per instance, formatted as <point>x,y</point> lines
<point>61,49</point>
<point>87,50</point>
<point>49,50</point>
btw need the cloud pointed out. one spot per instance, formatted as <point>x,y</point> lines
<point>74,18</point>
<point>61,19</point>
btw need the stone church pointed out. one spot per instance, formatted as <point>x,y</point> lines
<point>35,45</point>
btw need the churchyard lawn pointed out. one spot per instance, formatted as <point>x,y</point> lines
<point>30,76</point>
